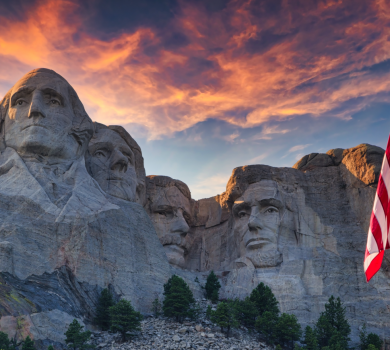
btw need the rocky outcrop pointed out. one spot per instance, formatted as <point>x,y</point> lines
<point>300,230</point>
<point>62,237</point>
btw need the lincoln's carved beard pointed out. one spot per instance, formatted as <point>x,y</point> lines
<point>265,259</point>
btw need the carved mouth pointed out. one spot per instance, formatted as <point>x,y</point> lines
<point>29,126</point>
<point>257,242</point>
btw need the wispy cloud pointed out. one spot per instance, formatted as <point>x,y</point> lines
<point>246,56</point>
<point>298,148</point>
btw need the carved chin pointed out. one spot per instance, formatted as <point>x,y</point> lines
<point>175,255</point>
<point>265,259</point>
<point>121,190</point>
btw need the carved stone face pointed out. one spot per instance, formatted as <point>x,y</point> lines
<point>257,222</point>
<point>170,216</point>
<point>112,164</point>
<point>40,116</point>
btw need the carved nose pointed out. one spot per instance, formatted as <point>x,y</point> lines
<point>118,162</point>
<point>36,107</point>
<point>180,225</point>
<point>255,223</point>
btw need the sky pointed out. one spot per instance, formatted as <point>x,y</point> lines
<point>205,86</point>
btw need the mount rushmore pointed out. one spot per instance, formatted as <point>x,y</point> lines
<point>78,214</point>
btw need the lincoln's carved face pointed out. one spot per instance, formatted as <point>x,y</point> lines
<point>40,116</point>
<point>170,216</point>
<point>112,164</point>
<point>257,216</point>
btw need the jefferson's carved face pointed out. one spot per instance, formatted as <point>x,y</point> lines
<point>40,116</point>
<point>256,223</point>
<point>170,216</point>
<point>112,164</point>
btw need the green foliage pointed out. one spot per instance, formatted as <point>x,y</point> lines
<point>371,347</point>
<point>75,338</point>
<point>214,296</point>
<point>124,318</point>
<point>156,307</point>
<point>225,316</point>
<point>264,299</point>
<point>287,329</point>
<point>50,347</point>
<point>28,344</point>
<point>179,300</point>
<point>310,339</point>
<point>332,328</point>
<point>197,280</point>
<point>208,312</point>
<point>4,341</point>
<point>102,318</point>
<point>369,339</point>
<point>278,347</point>
<point>212,287</point>
<point>373,339</point>
<point>246,312</point>
<point>266,325</point>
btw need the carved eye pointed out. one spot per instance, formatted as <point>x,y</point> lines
<point>99,154</point>
<point>272,210</point>
<point>55,102</point>
<point>20,102</point>
<point>241,214</point>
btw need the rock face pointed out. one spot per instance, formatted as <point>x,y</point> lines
<point>77,214</point>
<point>62,238</point>
<point>300,230</point>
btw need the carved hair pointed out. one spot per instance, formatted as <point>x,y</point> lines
<point>166,181</point>
<point>82,128</point>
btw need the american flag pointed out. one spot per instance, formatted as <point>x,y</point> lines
<point>377,239</point>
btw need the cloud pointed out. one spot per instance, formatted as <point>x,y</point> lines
<point>267,131</point>
<point>275,60</point>
<point>298,148</point>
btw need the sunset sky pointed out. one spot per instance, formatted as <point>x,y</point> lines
<point>208,85</point>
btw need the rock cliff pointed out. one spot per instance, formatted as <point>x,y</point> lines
<point>301,230</point>
<point>77,214</point>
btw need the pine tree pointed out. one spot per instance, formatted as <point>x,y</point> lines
<point>310,339</point>
<point>288,329</point>
<point>76,338</point>
<point>28,344</point>
<point>4,341</point>
<point>179,300</point>
<point>124,318</point>
<point>266,325</point>
<point>332,328</point>
<point>102,318</point>
<point>50,347</point>
<point>156,307</point>
<point>212,287</point>
<point>363,338</point>
<point>208,312</point>
<point>246,312</point>
<point>371,347</point>
<point>225,317</point>
<point>264,299</point>
<point>373,339</point>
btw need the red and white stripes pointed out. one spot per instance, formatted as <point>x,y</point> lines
<point>378,234</point>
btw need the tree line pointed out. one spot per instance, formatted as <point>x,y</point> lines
<point>257,312</point>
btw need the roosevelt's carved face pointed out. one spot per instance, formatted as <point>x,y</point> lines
<point>40,116</point>
<point>112,164</point>
<point>170,216</point>
<point>257,216</point>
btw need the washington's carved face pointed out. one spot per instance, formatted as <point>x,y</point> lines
<point>256,223</point>
<point>112,164</point>
<point>170,217</point>
<point>40,116</point>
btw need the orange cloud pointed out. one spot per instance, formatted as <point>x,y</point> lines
<point>300,61</point>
